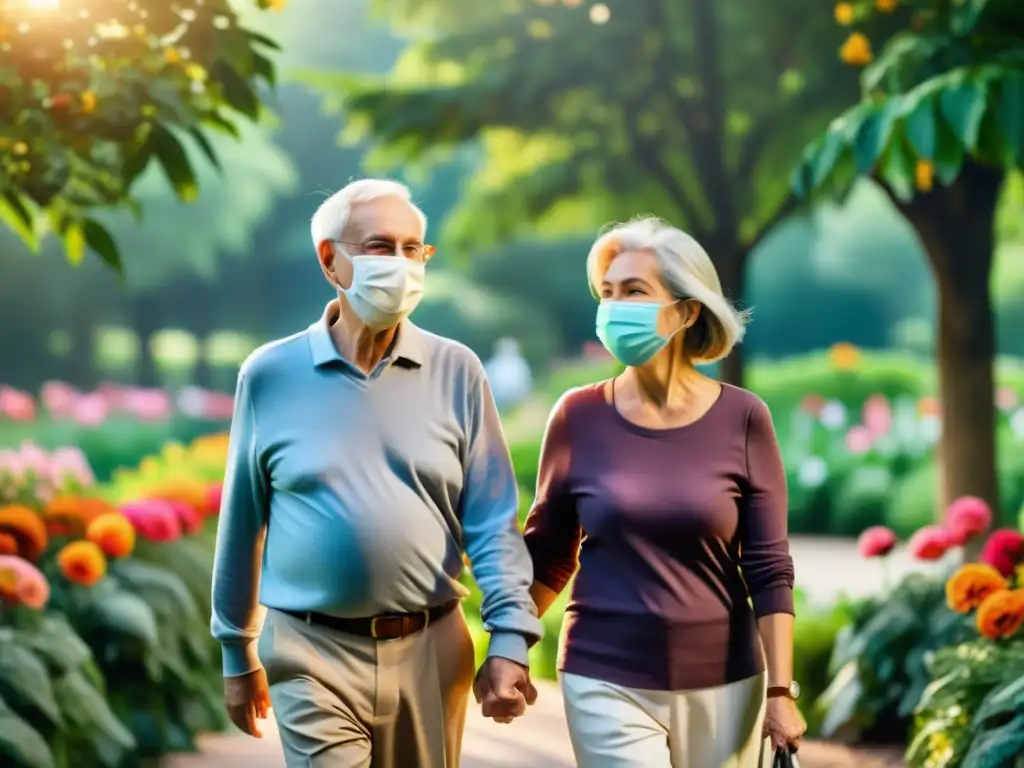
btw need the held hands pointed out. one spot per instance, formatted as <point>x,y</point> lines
<point>783,723</point>
<point>503,689</point>
<point>248,700</point>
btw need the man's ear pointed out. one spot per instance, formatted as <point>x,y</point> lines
<point>325,254</point>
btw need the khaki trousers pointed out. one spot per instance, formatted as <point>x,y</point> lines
<point>343,701</point>
<point>616,727</point>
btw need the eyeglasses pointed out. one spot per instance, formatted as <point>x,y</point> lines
<point>419,252</point>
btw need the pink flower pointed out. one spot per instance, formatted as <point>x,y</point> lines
<point>214,494</point>
<point>30,587</point>
<point>1004,551</point>
<point>877,541</point>
<point>1006,399</point>
<point>91,410</point>
<point>147,404</point>
<point>16,406</point>
<point>71,461</point>
<point>153,519</point>
<point>189,517</point>
<point>877,415</point>
<point>859,439</point>
<point>967,517</point>
<point>58,398</point>
<point>930,543</point>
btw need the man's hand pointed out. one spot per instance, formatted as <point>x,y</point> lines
<point>503,689</point>
<point>248,699</point>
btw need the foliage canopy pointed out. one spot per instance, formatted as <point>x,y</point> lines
<point>93,91</point>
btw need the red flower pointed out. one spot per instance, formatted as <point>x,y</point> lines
<point>967,517</point>
<point>211,503</point>
<point>877,541</point>
<point>1004,551</point>
<point>930,543</point>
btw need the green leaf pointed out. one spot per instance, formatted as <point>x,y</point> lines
<point>25,681</point>
<point>222,125</point>
<point>153,582</point>
<point>963,105</point>
<point>920,130</point>
<point>264,67</point>
<point>966,14</point>
<point>998,747</point>
<point>87,709</point>
<point>204,144</point>
<point>125,614</point>
<point>949,155</point>
<point>237,93</point>
<point>263,40</point>
<point>102,244</point>
<point>873,135</point>
<point>74,242</point>
<point>176,165</point>
<point>1010,112</point>
<point>56,643</point>
<point>825,159</point>
<point>15,213</point>
<point>21,746</point>
<point>1005,699</point>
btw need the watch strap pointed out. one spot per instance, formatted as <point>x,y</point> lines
<point>776,691</point>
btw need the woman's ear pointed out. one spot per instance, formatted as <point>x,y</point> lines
<point>690,311</point>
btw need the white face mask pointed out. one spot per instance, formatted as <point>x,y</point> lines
<point>385,289</point>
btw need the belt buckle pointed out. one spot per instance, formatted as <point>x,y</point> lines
<point>373,626</point>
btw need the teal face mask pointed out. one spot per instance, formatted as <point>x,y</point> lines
<point>629,330</point>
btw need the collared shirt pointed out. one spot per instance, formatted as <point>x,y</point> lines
<point>357,494</point>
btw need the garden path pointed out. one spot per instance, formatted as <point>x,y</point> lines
<point>825,569</point>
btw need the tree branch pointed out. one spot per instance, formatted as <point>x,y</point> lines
<point>646,155</point>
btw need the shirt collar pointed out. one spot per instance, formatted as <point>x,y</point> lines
<point>407,346</point>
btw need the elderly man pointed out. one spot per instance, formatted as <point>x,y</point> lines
<point>366,458</point>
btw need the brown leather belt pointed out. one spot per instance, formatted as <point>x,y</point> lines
<point>387,626</point>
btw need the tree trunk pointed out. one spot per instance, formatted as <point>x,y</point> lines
<point>956,226</point>
<point>731,263</point>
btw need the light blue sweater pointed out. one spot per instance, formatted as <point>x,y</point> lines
<point>355,495</point>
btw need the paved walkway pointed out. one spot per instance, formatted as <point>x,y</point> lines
<point>825,569</point>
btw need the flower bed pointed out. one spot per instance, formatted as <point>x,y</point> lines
<point>105,653</point>
<point>938,660</point>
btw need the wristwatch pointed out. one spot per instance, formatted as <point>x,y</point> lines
<point>791,691</point>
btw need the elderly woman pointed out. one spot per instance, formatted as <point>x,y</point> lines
<point>666,489</point>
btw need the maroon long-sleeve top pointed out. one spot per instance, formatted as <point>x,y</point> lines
<point>680,537</point>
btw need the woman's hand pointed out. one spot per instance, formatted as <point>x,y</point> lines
<point>783,723</point>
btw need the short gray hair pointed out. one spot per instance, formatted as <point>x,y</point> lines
<point>687,272</point>
<point>332,216</point>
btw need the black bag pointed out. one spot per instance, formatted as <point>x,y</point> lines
<point>785,758</point>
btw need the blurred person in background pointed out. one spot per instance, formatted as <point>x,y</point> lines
<point>509,375</point>
<point>366,458</point>
<point>666,490</point>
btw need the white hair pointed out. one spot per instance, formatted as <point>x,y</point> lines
<point>687,273</point>
<point>332,216</point>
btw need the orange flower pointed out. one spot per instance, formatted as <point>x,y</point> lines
<point>8,586</point>
<point>856,51</point>
<point>1001,614</point>
<point>8,544</point>
<point>64,517</point>
<point>113,534</point>
<point>27,529</point>
<point>924,175</point>
<point>929,406</point>
<point>172,55</point>
<point>887,6</point>
<point>844,14</point>
<point>844,356</point>
<point>971,584</point>
<point>82,562</point>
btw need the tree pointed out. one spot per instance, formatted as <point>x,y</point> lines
<point>690,110</point>
<point>943,103</point>
<point>92,92</point>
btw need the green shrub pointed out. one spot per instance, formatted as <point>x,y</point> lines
<point>815,634</point>
<point>972,712</point>
<point>878,663</point>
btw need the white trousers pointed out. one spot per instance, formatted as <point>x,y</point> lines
<point>616,727</point>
